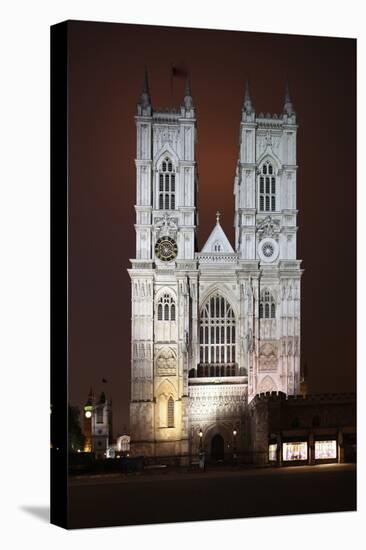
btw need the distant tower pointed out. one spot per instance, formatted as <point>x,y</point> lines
<point>87,423</point>
<point>101,426</point>
<point>97,424</point>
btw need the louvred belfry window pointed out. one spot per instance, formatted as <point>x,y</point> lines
<point>167,185</point>
<point>267,188</point>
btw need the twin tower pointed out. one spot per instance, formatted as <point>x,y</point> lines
<point>211,328</point>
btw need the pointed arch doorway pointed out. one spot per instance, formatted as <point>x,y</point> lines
<point>217,447</point>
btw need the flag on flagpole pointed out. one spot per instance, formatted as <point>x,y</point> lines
<point>177,70</point>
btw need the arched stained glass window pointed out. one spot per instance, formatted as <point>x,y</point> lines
<point>217,338</point>
<point>267,306</point>
<point>166,308</point>
<point>170,412</point>
<point>160,311</point>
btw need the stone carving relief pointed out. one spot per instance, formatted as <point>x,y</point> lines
<point>291,345</point>
<point>193,290</point>
<point>268,228</point>
<point>216,402</point>
<point>283,292</point>
<point>268,328</point>
<point>166,363</point>
<point>166,135</point>
<point>142,289</point>
<point>267,384</point>
<point>268,357</point>
<point>217,258</point>
<point>187,266</point>
<point>290,383</point>
<point>166,226</point>
<point>250,341</point>
<point>269,140</point>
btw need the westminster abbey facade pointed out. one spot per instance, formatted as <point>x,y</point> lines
<point>211,329</point>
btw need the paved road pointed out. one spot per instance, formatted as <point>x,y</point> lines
<point>170,497</point>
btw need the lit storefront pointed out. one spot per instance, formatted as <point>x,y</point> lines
<point>294,451</point>
<point>272,452</point>
<point>326,450</point>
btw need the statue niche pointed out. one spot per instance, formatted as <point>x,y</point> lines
<point>268,357</point>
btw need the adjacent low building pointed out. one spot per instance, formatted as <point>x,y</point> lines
<point>311,429</point>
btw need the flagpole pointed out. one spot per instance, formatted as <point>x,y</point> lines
<point>171,83</point>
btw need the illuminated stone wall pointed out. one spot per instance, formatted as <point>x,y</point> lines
<point>220,408</point>
<point>169,404</point>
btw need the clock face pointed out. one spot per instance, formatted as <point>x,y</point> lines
<point>166,249</point>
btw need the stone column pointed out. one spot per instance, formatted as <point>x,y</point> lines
<point>311,449</point>
<point>340,447</point>
<point>279,449</point>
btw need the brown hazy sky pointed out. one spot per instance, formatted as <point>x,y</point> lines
<point>106,71</point>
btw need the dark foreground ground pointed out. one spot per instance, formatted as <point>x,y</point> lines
<point>214,494</point>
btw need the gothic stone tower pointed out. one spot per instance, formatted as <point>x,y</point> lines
<point>211,329</point>
<point>265,228</point>
<point>163,277</point>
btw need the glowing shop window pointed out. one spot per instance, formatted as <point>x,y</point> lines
<point>325,449</point>
<point>272,451</point>
<point>295,451</point>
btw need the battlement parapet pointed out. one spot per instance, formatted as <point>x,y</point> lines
<point>274,396</point>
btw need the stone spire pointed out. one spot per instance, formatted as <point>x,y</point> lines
<point>145,99</point>
<point>248,106</point>
<point>288,108</point>
<point>188,101</point>
<point>90,397</point>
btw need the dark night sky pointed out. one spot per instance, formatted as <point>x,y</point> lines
<point>106,70</point>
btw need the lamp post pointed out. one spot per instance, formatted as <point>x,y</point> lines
<point>201,452</point>
<point>235,433</point>
<point>88,413</point>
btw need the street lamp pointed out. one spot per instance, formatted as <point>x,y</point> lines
<point>88,416</point>
<point>200,433</point>
<point>201,452</point>
<point>234,444</point>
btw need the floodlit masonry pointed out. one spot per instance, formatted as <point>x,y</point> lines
<point>213,328</point>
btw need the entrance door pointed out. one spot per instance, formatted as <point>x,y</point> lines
<point>217,447</point>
